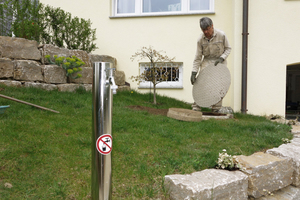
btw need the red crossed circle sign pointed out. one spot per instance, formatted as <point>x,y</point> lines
<point>104,144</point>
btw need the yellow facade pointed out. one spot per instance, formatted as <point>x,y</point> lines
<point>273,45</point>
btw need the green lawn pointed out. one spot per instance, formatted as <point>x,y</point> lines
<point>46,155</point>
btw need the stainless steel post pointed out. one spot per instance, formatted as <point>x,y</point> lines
<point>103,84</point>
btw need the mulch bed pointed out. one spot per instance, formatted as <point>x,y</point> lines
<point>153,111</point>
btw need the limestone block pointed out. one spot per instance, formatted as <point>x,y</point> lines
<point>287,193</point>
<point>19,48</point>
<point>184,114</point>
<point>6,68</point>
<point>123,88</point>
<point>87,76</point>
<point>41,86</point>
<point>266,173</point>
<point>54,74</point>
<point>84,56</point>
<point>11,83</point>
<point>208,184</point>
<point>51,50</point>
<point>26,70</point>
<point>67,87</point>
<point>88,87</point>
<point>103,58</point>
<point>119,77</point>
<point>292,151</point>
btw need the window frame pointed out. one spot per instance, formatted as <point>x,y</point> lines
<point>185,10</point>
<point>164,84</point>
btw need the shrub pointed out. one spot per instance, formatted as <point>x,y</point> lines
<point>65,31</point>
<point>45,24</point>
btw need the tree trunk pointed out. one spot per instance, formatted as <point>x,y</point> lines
<point>154,94</point>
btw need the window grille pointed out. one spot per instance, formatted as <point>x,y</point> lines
<point>169,75</point>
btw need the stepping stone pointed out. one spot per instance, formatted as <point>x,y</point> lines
<point>184,114</point>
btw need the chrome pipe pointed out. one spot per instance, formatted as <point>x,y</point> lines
<point>102,122</point>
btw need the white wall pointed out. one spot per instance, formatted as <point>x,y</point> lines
<point>177,35</point>
<point>273,44</point>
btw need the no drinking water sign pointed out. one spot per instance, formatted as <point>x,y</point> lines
<point>104,144</point>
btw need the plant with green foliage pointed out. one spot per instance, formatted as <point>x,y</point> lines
<point>45,24</point>
<point>64,31</point>
<point>22,19</point>
<point>152,74</point>
<point>226,161</point>
<point>70,65</point>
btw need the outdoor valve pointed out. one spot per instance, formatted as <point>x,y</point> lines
<point>104,87</point>
<point>114,87</point>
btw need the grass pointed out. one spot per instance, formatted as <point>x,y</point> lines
<point>45,155</point>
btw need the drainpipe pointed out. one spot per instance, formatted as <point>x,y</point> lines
<point>244,56</point>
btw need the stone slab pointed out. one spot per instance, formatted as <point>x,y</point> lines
<point>41,86</point>
<point>26,70</point>
<point>11,83</point>
<point>208,184</point>
<point>6,68</point>
<point>54,74</point>
<point>287,193</point>
<point>67,87</point>
<point>292,151</point>
<point>19,48</point>
<point>103,58</point>
<point>123,88</point>
<point>87,76</point>
<point>266,172</point>
<point>184,114</point>
<point>119,77</point>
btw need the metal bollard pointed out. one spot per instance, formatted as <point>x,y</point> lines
<point>103,84</point>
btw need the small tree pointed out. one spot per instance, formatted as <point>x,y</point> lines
<point>152,74</point>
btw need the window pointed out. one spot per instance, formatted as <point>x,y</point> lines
<point>161,7</point>
<point>172,70</point>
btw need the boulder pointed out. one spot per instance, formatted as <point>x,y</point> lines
<point>6,68</point>
<point>84,56</point>
<point>119,77</point>
<point>103,58</point>
<point>292,151</point>
<point>19,48</point>
<point>54,74</point>
<point>267,173</point>
<point>208,184</point>
<point>51,50</point>
<point>26,70</point>
<point>87,76</point>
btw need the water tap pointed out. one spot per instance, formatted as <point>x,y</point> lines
<point>114,87</point>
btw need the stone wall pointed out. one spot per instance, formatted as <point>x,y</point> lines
<point>274,175</point>
<point>23,63</point>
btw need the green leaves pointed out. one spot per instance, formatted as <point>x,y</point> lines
<point>70,65</point>
<point>46,24</point>
<point>65,31</point>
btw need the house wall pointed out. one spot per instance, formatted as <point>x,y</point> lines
<point>272,45</point>
<point>176,35</point>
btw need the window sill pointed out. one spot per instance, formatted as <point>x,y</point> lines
<point>161,15</point>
